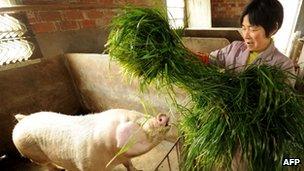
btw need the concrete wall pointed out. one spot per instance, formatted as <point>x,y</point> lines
<point>206,45</point>
<point>101,85</point>
<point>89,40</point>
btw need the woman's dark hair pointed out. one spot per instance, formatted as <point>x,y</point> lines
<point>266,13</point>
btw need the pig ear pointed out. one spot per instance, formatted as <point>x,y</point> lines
<point>124,131</point>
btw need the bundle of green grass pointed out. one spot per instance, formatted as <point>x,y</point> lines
<point>255,111</point>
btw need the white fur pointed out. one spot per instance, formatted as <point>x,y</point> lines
<point>85,143</point>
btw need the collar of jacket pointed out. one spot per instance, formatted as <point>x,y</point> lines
<point>263,57</point>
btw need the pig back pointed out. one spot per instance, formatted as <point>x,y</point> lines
<point>56,136</point>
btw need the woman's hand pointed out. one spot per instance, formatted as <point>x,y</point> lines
<point>203,57</point>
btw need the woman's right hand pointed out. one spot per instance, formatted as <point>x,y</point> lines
<point>203,57</point>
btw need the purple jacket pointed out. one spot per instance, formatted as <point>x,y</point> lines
<point>234,56</point>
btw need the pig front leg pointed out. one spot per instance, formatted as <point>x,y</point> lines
<point>128,164</point>
<point>131,136</point>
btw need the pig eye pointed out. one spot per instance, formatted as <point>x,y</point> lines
<point>160,119</point>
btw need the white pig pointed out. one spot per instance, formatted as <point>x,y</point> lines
<point>89,142</point>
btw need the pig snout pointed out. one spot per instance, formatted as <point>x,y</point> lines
<point>162,120</point>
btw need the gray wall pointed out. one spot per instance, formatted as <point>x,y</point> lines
<point>79,41</point>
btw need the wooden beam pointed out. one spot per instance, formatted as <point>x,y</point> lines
<point>232,34</point>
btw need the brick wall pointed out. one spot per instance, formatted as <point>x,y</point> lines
<point>226,13</point>
<point>43,21</point>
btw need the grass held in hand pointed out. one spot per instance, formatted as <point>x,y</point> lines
<point>255,110</point>
<point>146,47</point>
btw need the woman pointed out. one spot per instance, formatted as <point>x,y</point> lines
<point>260,20</point>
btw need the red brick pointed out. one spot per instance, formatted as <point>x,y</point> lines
<point>228,10</point>
<point>107,16</point>
<point>31,17</point>
<point>106,2</point>
<point>73,15</point>
<point>88,23</point>
<point>57,25</point>
<point>30,14</point>
<point>133,2</point>
<point>68,25</point>
<point>43,27</point>
<point>92,14</point>
<point>37,2</point>
<point>50,16</point>
<point>137,2</point>
<point>32,20</point>
<point>88,1</point>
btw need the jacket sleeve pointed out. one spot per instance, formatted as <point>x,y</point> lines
<point>289,67</point>
<point>219,56</point>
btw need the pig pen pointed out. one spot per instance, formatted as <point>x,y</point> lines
<point>81,83</point>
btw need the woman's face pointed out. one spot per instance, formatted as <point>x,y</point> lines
<point>254,36</point>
